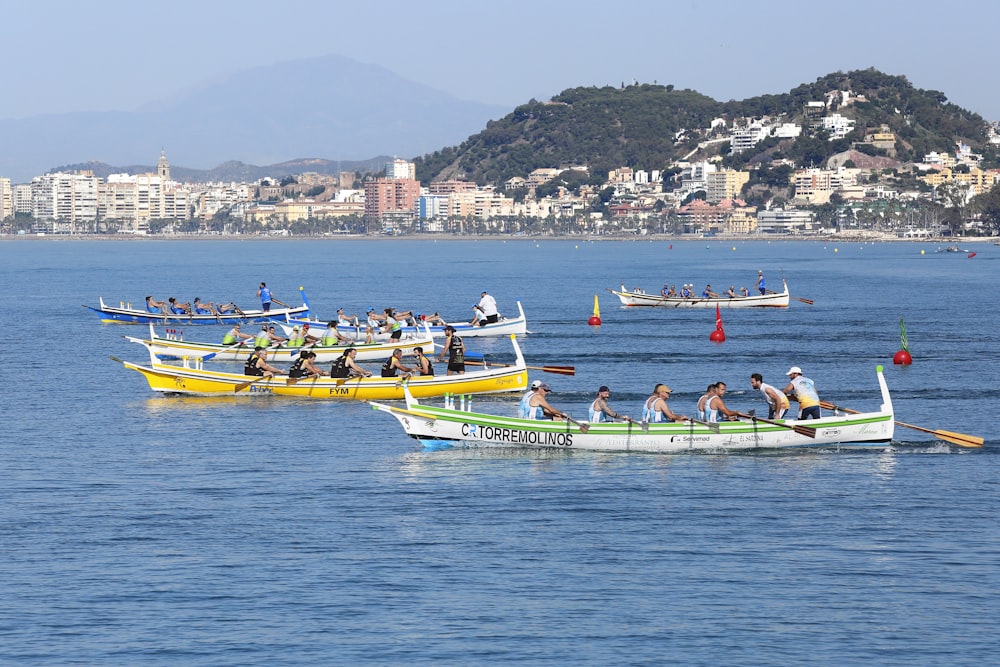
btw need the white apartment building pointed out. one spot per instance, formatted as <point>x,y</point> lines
<point>747,137</point>
<point>217,196</point>
<point>22,198</point>
<point>780,221</point>
<point>814,186</point>
<point>838,126</point>
<point>787,131</point>
<point>400,169</point>
<point>6,199</point>
<point>68,201</point>
<point>137,199</point>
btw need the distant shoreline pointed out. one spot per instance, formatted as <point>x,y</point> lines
<point>728,238</point>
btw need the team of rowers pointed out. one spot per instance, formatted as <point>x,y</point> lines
<point>345,365</point>
<point>687,290</point>
<point>710,408</point>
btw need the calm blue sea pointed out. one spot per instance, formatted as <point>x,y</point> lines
<point>138,529</point>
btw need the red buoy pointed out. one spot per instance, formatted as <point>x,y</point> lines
<point>719,334</point>
<point>902,358</point>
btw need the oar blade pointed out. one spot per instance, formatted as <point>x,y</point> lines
<point>960,439</point>
<point>807,431</point>
<point>560,370</point>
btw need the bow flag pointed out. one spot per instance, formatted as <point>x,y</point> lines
<point>718,317</point>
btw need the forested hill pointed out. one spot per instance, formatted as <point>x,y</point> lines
<point>649,126</point>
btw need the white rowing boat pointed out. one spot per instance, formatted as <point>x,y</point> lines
<point>446,425</point>
<point>639,297</point>
<point>170,347</point>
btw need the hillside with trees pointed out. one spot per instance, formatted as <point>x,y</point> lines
<point>649,126</point>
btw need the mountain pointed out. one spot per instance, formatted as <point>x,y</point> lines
<point>236,171</point>
<point>329,106</point>
<point>650,126</point>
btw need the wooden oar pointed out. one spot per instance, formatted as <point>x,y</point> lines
<point>807,431</point>
<point>340,381</point>
<point>797,298</point>
<point>225,349</point>
<point>583,427</point>
<point>960,439</point>
<point>243,385</point>
<point>561,370</point>
<point>292,380</point>
<point>712,426</point>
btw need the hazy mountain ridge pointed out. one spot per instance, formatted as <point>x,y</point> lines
<point>330,106</point>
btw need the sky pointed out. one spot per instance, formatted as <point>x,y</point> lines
<point>60,57</point>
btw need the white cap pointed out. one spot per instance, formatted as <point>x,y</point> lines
<point>793,370</point>
<point>535,384</point>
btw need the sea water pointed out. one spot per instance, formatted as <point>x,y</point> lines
<point>137,528</point>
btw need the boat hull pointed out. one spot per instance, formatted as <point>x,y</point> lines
<point>505,327</point>
<point>198,381</point>
<point>439,425</point>
<point>170,379</point>
<point>638,297</point>
<point>126,315</point>
<point>169,348</point>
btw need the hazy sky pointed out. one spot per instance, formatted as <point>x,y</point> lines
<point>59,56</point>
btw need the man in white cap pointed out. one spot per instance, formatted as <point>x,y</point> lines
<point>802,389</point>
<point>523,407</point>
<point>539,408</point>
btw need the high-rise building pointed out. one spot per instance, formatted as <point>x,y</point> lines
<point>392,201</point>
<point>6,199</point>
<point>66,200</point>
<point>400,169</point>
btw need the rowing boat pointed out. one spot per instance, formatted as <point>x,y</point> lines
<point>504,327</point>
<point>167,347</point>
<point>127,314</point>
<point>436,426</point>
<point>639,297</point>
<point>194,379</point>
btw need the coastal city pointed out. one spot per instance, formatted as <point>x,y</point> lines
<point>860,191</point>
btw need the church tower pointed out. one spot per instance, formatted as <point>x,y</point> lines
<point>163,167</point>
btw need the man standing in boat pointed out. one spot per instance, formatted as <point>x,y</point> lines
<point>264,292</point>
<point>803,390</point>
<point>455,349</point>
<point>777,402</point>
<point>486,310</point>
<point>760,283</point>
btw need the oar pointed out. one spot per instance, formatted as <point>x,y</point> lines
<point>960,439</point>
<point>340,382</point>
<point>561,370</point>
<point>583,427</point>
<point>807,431</point>
<point>243,385</point>
<point>292,380</point>
<point>225,349</point>
<point>809,301</point>
<point>712,426</point>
